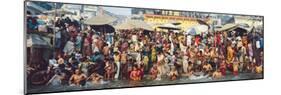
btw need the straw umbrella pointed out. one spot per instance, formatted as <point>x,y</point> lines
<point>101,19</point>
<point>101,22</point>
<point>175,22</point>
<point>134,24</point>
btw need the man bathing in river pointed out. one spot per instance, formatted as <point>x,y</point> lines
<point>96,78</point>
<point>77,78</point>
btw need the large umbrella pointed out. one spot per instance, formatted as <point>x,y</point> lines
<point>134,24</point>
<point>191,31</point>
<point>239,31</point>
<point>175,22</point>
<point>59,11</point>
<point>101,23</point>
<point>227,27</point>
<point>201,22</point>
<point>104,28</point>
<point>101,19</point>
<point>169,26</point>
<point>196,30</point>
<point>246,26</point>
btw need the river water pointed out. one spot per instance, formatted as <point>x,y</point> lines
<point>145,82</point>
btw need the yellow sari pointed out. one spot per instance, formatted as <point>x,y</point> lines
<point>229,54</point>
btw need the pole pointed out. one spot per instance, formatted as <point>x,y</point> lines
<point>54,28</point>
<point>213,29</point>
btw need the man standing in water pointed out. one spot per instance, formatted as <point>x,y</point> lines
<point>235,67</point>
<point>217,74</point>
<point>77,78</point>
<point>124,65</point>
<point>117,62</point>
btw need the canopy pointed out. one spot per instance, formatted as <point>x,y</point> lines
<point>246,26</point>
<point>134,24</point>
<point>169,26</point>
<point>101,19</point>
<point>227,19</point>
<point>35,40</point>
<point>227,27</point>
<point>59,11</point>
<point>196,30</point>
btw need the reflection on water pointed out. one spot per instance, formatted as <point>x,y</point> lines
<point>145,82</point>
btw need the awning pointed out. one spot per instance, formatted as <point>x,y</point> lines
<point>35,40</point>
<point>169,26</point>
<point>59,12</point>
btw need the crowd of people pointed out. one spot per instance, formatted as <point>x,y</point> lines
<point>85,56</point>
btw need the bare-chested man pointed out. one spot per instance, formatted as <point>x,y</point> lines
<point>106,50</point>
<point>207,67</point>
<point>108,71</point>
<point>160,63</point>
<point>217,74</point>
<point>77,78</point>
<point>124,66</point>
<point>96,78</point>
<point>60,59</point>
<point>100,43</point>
<point>235,67</point>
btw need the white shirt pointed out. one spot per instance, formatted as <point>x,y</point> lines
<point>134,38</point>
<point>188,40</point>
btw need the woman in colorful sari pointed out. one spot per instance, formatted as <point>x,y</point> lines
<point>230,53</point>
<point>153,54</point>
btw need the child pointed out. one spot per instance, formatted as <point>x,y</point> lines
<point>135,74</point>
<point>153,72</point>
<point>217,74</point>
<point>108,71</point>
<point>223,68</point>
<point>173,74</point>
<point>258,69</point>
<point>207,67</point>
